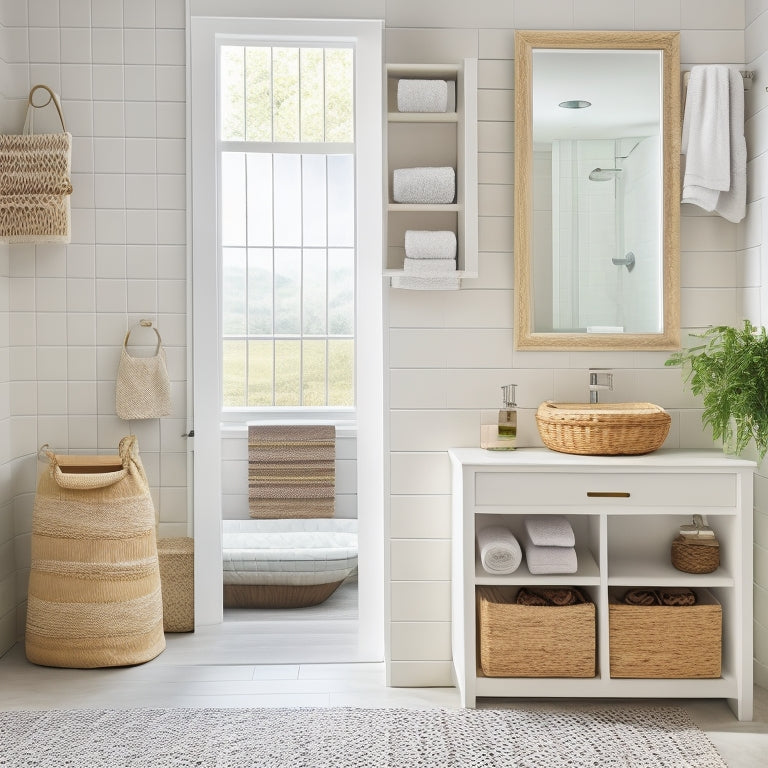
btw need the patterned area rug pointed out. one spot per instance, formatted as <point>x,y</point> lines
<point>355,738</point>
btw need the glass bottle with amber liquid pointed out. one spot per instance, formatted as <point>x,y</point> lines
<point>502,436</point>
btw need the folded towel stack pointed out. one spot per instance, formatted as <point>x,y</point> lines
<point>430,261</point>
<point>549,545</point>
<point>430,245</point>
<point>500,551</point>
<point>424,185</point>
<point>426,95</point>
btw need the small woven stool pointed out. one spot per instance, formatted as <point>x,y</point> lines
<point>177,579</point>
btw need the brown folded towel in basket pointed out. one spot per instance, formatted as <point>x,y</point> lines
<point>550,596</point>
<point>665,596</point>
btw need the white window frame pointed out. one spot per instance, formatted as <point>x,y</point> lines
<point>366,36</point>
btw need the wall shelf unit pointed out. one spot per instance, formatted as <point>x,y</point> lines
<point>621,542</point>
<point>432,139</point>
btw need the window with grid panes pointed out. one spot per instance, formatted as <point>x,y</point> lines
<point>287,225</point>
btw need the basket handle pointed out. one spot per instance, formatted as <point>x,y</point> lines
<point>29,121</point>
<point>92,480</point>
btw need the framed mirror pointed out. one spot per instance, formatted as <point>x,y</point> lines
<point>597,190</point>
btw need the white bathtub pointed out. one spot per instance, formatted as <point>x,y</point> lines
<point>288,563</point>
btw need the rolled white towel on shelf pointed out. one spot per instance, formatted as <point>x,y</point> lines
<point>429,267</point>
<point>424,95</point>
<point>430,244</point>
<point>431,283</point>
<point>549,531</point>
<point>500,551</point>
<point>424,185</point>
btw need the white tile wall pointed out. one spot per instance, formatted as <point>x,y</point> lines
<point>755,237</point>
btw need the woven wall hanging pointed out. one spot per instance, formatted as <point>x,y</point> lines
<point>35,183</point>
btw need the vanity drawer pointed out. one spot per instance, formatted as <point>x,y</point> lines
<point>531,489</point>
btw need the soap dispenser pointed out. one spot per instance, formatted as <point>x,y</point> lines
<point>502,436</point>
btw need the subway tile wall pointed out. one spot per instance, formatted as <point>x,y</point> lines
<point>753,279</point>
<point>450,353</point>
<point>119,68</point>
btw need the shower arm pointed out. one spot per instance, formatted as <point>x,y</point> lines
<point>628,261</point>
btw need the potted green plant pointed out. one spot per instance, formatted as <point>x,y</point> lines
<point>730,371</point>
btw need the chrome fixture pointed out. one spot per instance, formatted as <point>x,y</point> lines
<point>604,174</point>
<point>628,261</point>
<point>599,379</point>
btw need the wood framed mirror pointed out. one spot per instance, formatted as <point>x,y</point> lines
<point>597,190</point>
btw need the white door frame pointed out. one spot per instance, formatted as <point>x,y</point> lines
<point>205,346</point>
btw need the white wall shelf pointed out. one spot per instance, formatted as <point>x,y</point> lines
<point>620,542</point>
<point>416,139</point>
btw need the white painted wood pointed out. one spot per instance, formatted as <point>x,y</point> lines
<point>621,542</point>
<point>434,139</point>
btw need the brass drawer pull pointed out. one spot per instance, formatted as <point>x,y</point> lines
<point>608,494</point>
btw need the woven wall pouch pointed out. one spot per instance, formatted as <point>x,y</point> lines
<point>142,389</point>
<point>695,549</point>
<point>35,180</point>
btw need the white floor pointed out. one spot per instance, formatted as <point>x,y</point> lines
<point>240,664</point>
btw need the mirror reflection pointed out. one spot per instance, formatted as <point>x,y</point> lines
<point>598,257</point>
<point>597,173</point>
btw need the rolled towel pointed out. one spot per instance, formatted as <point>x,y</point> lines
<point>432,283</point>
<point>424,185</point>
<point>641,597</point>
<point>556,596</point>
<point>500,551</point>
<point>430,244</point>
<point>677,596</point>
<point>429,267</point>
<point>549,531</point>
<point>545,560</point>
<point>423,96</point>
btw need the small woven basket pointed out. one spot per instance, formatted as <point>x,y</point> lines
<point>534,640</point>
<point>177,577</point>
<point>695,556</point>
<point>603,429</point>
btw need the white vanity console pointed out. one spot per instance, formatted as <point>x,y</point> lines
<point>624,511</point>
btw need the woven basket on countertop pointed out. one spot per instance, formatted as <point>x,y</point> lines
<point>534,640</point>
<point>602,429</point>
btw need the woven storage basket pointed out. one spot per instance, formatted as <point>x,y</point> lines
<point>603,429</point>
<point>531,640</point>
<point>695,557</point>
<point>94,586</point>
<point>177,577</point>
<point>660,641</point>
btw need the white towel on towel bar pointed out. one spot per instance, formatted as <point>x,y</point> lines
<point>500,551</point>
<point>430,244</point>
<point>424,185</point>
<point>715,177</point>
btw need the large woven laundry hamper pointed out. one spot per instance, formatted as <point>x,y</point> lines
<point>94,586</point>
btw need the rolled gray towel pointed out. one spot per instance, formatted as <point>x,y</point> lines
<point>499,550</point>
<point>424,185</point>
<point>549,531</point>
<point>430,244</point>
<point>422,95</point>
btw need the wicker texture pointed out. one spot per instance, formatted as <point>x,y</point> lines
<point>603,429</point>
<point>94,595</point>
<point>695,557</point>
<point>277,595</point>
<point>660,641</point>
<point>177,577</point>
<point>532,640</point>
<point>35,183</point>
<point>142,389</point>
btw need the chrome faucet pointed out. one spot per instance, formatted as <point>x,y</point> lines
<point>599,378</point>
